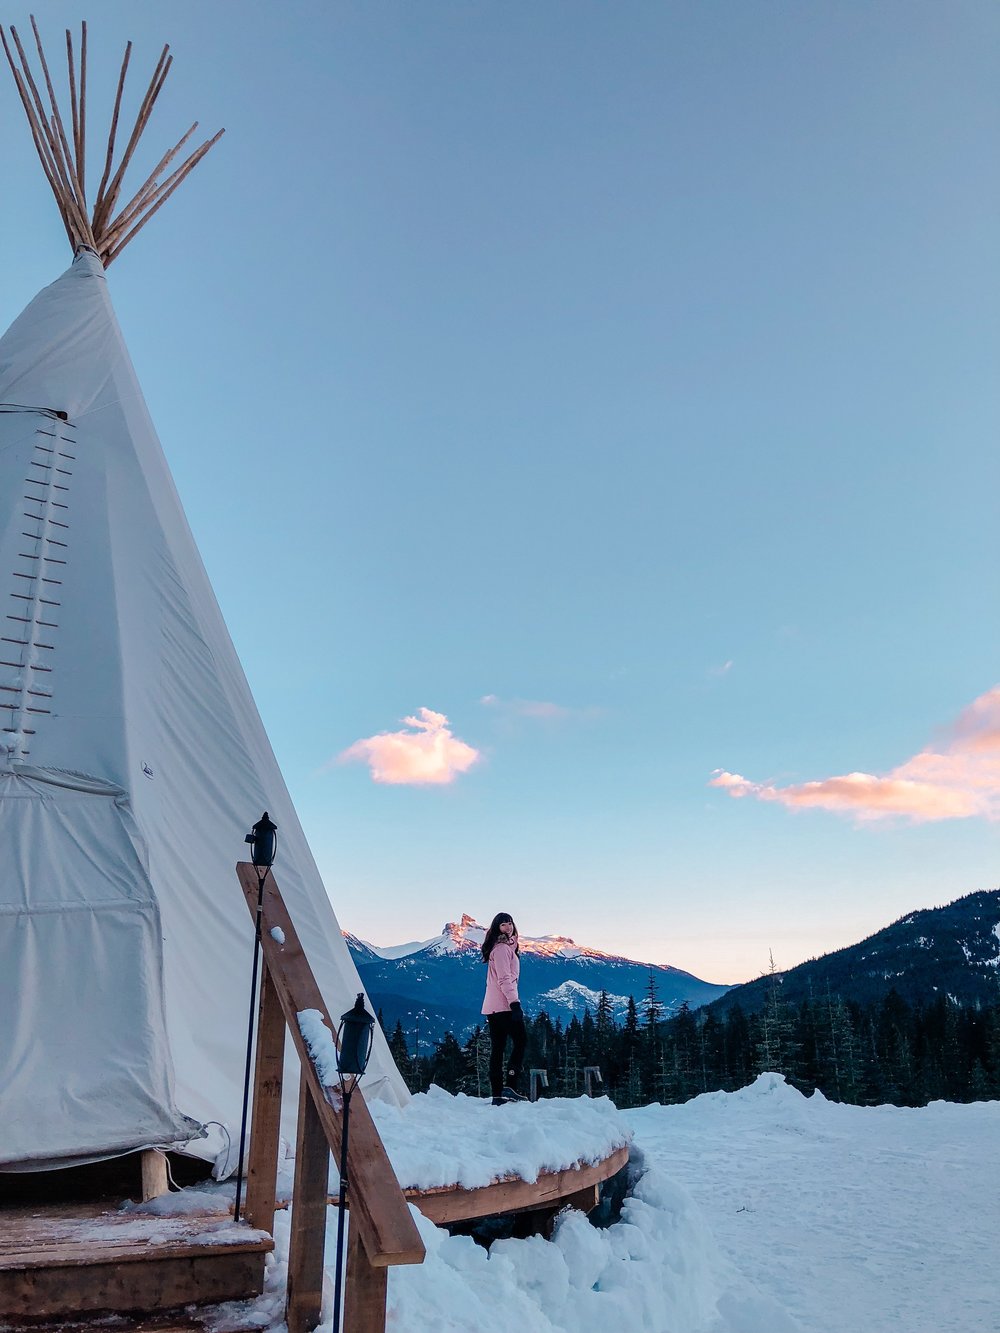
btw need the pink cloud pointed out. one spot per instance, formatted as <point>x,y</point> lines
<point>956,777</point>
<point>427,754</point>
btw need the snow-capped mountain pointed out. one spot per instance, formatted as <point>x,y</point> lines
<point>437,984</point>
<point>576,998</point>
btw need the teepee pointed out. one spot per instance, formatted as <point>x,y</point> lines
<point>132,756</point>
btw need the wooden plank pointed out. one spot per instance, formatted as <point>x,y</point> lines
<point>262,1170</point>
<point>157,1284</point>
<point>387,1230</point>
<point>514,1196</point>
<point>154,1174</point>
<point>78,1253</point>
<point>365,1289</point>
<point>306,1244</point>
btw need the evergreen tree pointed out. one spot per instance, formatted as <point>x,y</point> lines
<point>400,1052</point>
<point>776,1048</point>
<point>448,1064</point>
<point>476,1078</point>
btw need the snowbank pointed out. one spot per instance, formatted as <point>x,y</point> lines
<point>657,1270</point>
<point>851,1218</point>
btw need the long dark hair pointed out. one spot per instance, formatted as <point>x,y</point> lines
<point>493,934</point>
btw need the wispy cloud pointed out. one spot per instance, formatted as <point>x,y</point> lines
<point>429,753</point>
<point>722,670</point>
<point>955,777</point>
<point>525,707</point>
<point>535,708</point>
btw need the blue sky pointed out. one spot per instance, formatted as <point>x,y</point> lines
<point>635,360</point>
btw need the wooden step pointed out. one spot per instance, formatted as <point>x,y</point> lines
<point>77,1259</point>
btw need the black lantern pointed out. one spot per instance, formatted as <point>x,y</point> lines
<point>263,839</point>
<point>354,1048</point>
<point>357,1032</point>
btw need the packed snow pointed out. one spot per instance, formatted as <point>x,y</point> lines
<point>277,934</point>
<point>320,1044</point>
<point>759,1211</point>
<point>440,1139</point>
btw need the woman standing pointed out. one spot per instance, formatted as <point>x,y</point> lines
<point>502,955</point>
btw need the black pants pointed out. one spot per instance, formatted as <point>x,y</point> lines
<point>502,1026</point>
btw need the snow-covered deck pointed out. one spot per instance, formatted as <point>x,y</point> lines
<point>440,1140</point>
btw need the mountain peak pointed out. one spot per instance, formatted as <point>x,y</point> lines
<point>460,936</point>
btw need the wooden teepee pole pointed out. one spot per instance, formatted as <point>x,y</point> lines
<point>63,155</point>
<point>104,210</point>
<point>68,163</point>
<point>78,105</point>
<point>40,140</point>
<point>112,133</point>
<point>164,193</point>
<point>147,190</point>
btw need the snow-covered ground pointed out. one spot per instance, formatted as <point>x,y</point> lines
<point>759,1211</point>
<point>860,1219</point>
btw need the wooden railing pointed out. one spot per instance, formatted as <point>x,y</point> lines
<point>382,1231</point>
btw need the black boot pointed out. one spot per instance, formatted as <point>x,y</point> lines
<point>510,1091</point>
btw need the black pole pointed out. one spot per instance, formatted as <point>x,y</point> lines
<point>341,1208</point>
<point>253,1006</point>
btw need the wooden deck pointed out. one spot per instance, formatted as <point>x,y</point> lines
<point>577,1187</point>
<point>67,1267</point>
<point>82,1260</point>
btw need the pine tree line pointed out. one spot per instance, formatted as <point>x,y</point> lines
<point>888,1051</point>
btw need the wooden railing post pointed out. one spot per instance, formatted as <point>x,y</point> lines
<point>378,1208</point>
<point>262,1171</point>
<point>382,1232</point>
<point>365,1291</point>
<point>305,1252</point>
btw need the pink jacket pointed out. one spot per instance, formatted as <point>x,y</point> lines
<point>502,973</point>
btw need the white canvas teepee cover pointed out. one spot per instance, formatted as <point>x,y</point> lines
<point>132,760</point>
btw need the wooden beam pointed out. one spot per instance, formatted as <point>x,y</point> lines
<point>586,1200</point>
<point>65,1259</point>
<point>157,1283</point>
<point>262,1169</point>
<point>154,1174</point>
<point>380,1212</point>
<point>365,1290</point>
<point>553,1188</point>
<point>306,1244</point>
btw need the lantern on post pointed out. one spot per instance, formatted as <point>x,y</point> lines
<point>263,840</point>
<point>354,1047</point>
